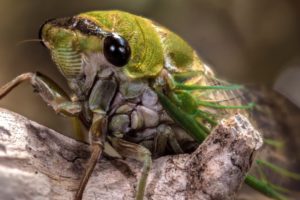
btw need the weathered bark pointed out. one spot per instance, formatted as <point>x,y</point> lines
<point>38,163</point>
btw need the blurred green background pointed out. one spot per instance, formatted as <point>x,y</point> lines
<point>251,42</point>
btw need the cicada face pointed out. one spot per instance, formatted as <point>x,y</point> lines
<point>80,49</point>
<point>66,42</point>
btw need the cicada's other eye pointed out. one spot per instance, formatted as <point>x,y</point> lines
<point>116,50</point>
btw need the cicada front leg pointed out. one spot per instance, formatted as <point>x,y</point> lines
<point>56,98</point>
<point>99,101</point>
<point>50,92</point>
<point>97,134</point>
<point>139,153</point>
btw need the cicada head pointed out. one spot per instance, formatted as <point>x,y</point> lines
<point>77,47</point>
<point>108,42</point>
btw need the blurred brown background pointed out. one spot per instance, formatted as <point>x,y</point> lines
<point>252,42</point>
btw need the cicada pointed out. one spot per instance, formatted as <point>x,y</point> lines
<point>139,89</point>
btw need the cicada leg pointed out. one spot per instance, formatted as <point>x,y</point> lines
<point>165,135</point>
<point>97,135</point>
<point>99,100</point>
<point>50,92</point>
<point>79,133</point>
<point>96,153</point>
<point>139,153</point>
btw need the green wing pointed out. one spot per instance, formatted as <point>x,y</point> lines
<point>198,108</point>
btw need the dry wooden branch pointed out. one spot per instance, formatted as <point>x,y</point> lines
<point>38,163</point>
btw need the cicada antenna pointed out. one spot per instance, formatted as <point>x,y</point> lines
<point>28,40</point>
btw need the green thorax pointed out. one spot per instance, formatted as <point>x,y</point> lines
<point>153,47</point>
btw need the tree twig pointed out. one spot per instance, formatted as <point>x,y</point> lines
<point>39,163</point>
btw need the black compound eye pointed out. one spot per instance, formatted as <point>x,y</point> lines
<point>116,50</point>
